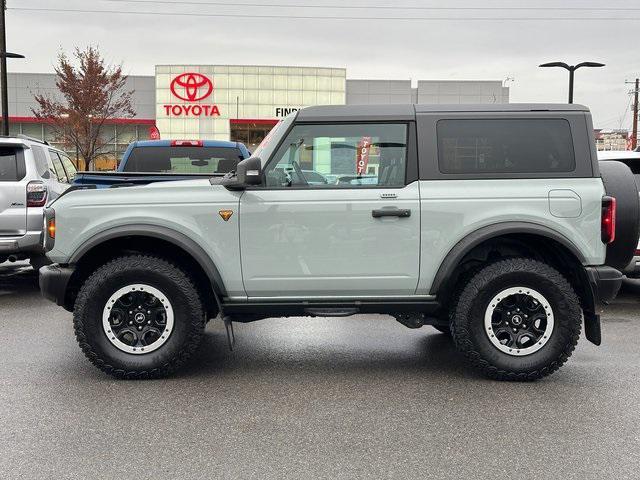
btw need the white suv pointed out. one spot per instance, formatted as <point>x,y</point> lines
<point>31,174</point>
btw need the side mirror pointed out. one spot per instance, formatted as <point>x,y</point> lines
<point>248,172</point>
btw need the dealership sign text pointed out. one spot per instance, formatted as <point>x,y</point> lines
<point>196,110</point>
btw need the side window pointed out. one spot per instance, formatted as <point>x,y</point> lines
<point>57,165</point>
<point>340,155</point>
<point>505,146</point>
<point>40,158</point>
<point>69,167</point>
<point>9,171</point>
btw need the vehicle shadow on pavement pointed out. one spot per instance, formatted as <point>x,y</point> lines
<point>421,352</point>
<point>17,277</point>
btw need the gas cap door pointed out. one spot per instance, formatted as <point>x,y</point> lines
<point>564,203</point>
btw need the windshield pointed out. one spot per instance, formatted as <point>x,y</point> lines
<point>203,160</point>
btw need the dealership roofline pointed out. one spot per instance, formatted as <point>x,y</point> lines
<point>241,65</point>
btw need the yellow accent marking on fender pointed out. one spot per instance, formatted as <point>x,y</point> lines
<point>226,214</point>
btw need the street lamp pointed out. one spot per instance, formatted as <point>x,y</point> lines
<point>572,69</point>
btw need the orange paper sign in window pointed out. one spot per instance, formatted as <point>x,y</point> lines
<point>362,159</point>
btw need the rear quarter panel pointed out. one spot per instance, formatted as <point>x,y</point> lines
<point>452,209</point>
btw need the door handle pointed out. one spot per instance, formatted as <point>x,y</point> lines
<point>391,212</point>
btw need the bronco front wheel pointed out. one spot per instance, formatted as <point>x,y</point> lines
<point>138,317</point>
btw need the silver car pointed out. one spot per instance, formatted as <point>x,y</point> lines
<point>31,174</point>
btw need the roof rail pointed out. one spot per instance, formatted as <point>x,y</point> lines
<point>27,137</point>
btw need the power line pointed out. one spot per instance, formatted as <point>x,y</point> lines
<point>624,115</point>
<point>323,17</point>
<point>375,7</point>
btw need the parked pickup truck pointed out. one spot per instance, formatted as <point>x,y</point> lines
<point>150,161</point>
<point>493,223</point>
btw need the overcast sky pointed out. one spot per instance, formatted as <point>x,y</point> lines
<point>381,47</point>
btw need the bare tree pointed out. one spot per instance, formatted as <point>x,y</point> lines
<point>91,93</point>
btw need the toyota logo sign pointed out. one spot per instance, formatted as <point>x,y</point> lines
<point>191,87</point>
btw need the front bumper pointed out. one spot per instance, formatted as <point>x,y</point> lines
<point>53,282</point>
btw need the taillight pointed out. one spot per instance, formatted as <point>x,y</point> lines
<point>187,143</point>
<point>36,194</point>
<point>608,228</point>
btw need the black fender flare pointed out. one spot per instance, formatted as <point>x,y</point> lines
<point>167,234</point>
<point>464,246</point>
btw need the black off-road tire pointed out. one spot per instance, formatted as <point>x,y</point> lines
<point>139,269</point>
<point>467,319</point>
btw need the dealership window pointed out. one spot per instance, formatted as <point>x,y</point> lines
<point>249,133</point>
<point>341,155</point>
<point>505,146</point>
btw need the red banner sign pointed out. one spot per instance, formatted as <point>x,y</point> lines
<point>362,158</point>
<point>154,133</point>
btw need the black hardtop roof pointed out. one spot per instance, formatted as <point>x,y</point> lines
<point>408,111</point>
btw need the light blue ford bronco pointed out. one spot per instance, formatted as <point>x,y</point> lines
<point>492,223</point>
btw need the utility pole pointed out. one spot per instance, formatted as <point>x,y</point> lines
<point>3,68</point>
<point>634,131</point>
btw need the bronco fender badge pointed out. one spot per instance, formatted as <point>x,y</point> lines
<point>225,214</point>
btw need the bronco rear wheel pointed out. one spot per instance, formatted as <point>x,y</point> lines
<point>138,317</point>
<point>517,319</point>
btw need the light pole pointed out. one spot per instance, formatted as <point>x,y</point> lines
<point>572,69</point>
<point>3,69</point>
<point>90,143</point>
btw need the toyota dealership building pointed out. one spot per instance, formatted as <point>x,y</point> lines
<point>236,102</point>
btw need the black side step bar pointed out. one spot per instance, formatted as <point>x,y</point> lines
<point>331,312</point>
<point>246,311</point>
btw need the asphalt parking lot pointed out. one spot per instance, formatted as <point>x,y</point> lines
<point>362,397</point>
